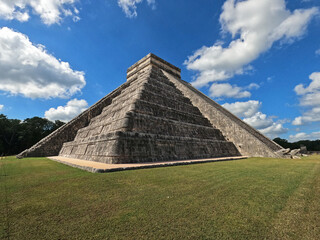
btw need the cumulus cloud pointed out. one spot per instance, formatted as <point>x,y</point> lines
<point>226,90</point>
<point>259,121</point>
<point>65,113</point>
<point>27,69</point>
<point>310,116</point>
<point>310,94</point>
<point>310,100</point>
<point>218,90</point>
<point>50,11</point>
<point>266,125</point>
<point>274,130</point>
<point>129,7</point>
<point>304,136</point>
<point>243,109</point>
<point>253,86</point>
<point>1,107</point>
<point>251,114</point>
<point>254,26</point>
<point>152,3</point>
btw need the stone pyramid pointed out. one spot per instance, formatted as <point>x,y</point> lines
<point>154,116</point>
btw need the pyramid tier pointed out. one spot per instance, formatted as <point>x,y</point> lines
<point>174,101</point>
<point>157,110</point>
<point>136,122</point>
<point>129,147</point>
<point>154,125</point>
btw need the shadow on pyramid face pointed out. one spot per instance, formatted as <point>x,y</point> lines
<point>154,116</point>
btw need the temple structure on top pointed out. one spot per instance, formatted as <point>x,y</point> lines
<point>154,116</point>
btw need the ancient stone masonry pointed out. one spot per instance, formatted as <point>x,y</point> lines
<point>154,116</point>
<point>51,145</point>
<point>248,140</point>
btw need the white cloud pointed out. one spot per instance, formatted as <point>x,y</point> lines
<point>266,125</point>
<point>65,113</point>
<point>50,11</point>
<point>310,93</point>
<point>310,116</point>
<point>223,90</point>
<point>129,6</point>
<point>218,90</point>
<point>255,26</point>
<point>318,52</point>
<point>253,86</point>
<point>76,19</point>
<point>243,109</point>
<point>29,70</point>
<point>304,136</point>
<point>259,121</point>
<point>250,113</point>
<point>152,3</point>
<point>274,130</point>
<point>1,107</point>
<point>309,99</point>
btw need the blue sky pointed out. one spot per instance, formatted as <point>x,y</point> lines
<point>260,59</point>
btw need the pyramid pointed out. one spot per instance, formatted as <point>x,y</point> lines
<point>154,116</point>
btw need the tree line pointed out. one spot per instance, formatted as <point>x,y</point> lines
<point>17,135</point>
<point>311,145</point>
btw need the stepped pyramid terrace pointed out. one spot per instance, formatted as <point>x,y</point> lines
<point>154,116</point>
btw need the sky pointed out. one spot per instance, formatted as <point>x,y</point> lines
<point>259,59</point>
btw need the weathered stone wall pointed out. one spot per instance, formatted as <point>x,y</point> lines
<point>51,145</point>
<point>249,141</point>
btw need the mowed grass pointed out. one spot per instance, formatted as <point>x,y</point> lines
<point>256,198</point>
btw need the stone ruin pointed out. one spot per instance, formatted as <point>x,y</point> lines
<point>154,116</point>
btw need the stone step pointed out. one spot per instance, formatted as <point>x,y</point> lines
<point>160,77</point>
<point>157,110</point>
<point>163,86</point>
<point>147,88</point>
<point>135,122</point>
<point>104,128</point>
<point>121,104</point>
<point>130,147</point>
<point>108,117</point>
<point>128,134</point>
<point>154,125</point>
<point>171,101</point>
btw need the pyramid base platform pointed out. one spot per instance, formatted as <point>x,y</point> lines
<point>98,167</point>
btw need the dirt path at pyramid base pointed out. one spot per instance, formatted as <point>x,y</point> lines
<point>97,167</point>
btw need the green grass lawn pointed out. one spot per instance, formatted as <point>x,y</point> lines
<point>256,198</point>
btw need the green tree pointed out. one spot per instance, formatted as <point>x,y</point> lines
<point>17,135</point>
<point>36,128</point>
<point>58,124</point>
<point>282,142</point>
<point>9,135</point>
<point>310,145</point>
